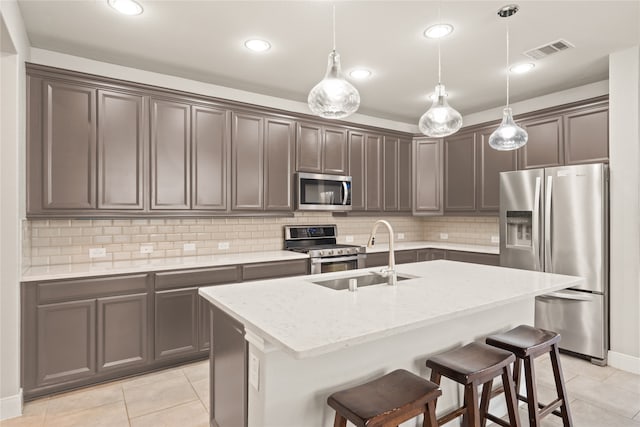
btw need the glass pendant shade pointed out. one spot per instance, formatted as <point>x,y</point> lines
<point>508,136</point>
<point>440,120</point>
<point>334,97</point>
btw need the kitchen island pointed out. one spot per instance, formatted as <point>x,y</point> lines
<point>300,341</point>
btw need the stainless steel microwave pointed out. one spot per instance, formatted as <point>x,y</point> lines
<point>323,192</point>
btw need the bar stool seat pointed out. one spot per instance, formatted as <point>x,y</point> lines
<point>473,365</point>
<point>386,401</point>
<point>527,343</point>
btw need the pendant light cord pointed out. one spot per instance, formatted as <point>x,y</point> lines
<point>439,59</point>
<point>508,72</point>
<point>334,27</point>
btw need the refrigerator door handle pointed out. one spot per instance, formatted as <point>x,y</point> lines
<point>536,225</point>
<point>575,296</point>
<point>547,226</point>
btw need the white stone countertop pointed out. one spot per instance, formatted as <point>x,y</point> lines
<point>70,271</point>
<point>407,246</point>
<point>306,320</point>
<point>104,268</point>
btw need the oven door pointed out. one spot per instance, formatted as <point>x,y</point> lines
<point>323,192</point>
<point>335,263</point>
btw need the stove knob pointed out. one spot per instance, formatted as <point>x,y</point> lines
<point>339,251</point>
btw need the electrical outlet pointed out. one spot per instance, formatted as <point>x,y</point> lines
<point>224,245</point>
<point>254,371</point>
<point>146,249</point>
<point>444,236</point>
<point>187,247</point>
<point>495,239</point>
<point>97,253</point>
<point>400,236</point>
<point>348,239</point>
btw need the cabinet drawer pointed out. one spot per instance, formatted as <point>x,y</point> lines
<point>268,270</point>
<point>68,290</point>
<point>197,277</point>
<point>474,257</point>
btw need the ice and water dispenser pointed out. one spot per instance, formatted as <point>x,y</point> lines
<point>519,229</point>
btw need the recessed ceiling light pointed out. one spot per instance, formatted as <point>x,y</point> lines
<point>438,31</point>
<point>126,7</point>
<point>360,73</point>
<point>257,45</point>
<point>522,68</point>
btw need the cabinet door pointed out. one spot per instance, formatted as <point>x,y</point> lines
<point>334,151</point>
<point>247,156</point>
<point>405,257</point>
<point>357,170</point>
<point>122,332</point>
<point>66,343</point>
<point>427,172</point>
<point>373,172</point>
<point>210,157</point>
<point>586,135</point>
<point>460,173</point>
<point>431,254</point>
<point>68,146</point>
<point>170,155</point>
<point>405,193</point>
<point>176,323</point>
<point>121,150</point>
<point>309,148</point>
<point>204,327</point>
<point>490,163</point>
<point>278,151</point>
<point>544,146</point>
<point>390,173</point>
<point>270,270</point>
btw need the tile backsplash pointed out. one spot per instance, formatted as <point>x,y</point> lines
<point>50,242</point>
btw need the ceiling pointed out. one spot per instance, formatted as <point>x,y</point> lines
<point>203,40</point>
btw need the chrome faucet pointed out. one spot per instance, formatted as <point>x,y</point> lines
<point>391,268</point>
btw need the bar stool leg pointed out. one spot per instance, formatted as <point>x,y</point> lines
<point>511,395</point>
<point>430,416</point>
<point>339,421</point>
<point>517,368</point>
<point>560,387</point>
<point>484,401</point>
<point>532,396</point>
<point>471,418</point>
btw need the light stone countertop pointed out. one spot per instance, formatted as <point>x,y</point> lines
<point>307,320</point>
<point>407,246</point>
<point>105,268</point>
<point>70,271</point>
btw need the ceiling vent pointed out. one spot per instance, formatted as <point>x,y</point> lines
<point>548,49</point>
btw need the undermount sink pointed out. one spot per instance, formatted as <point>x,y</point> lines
<point>366,279</point>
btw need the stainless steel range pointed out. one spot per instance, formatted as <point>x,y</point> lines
<point>320,242</point>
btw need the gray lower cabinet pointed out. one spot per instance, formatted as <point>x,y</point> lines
<point>379,259</point>
<point>176,323</point>
<point>473,257</point>
<point>431,254</point>
<point>76,332</point>
<point>271,270</point>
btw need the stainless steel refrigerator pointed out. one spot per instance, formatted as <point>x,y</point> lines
<point>556,220</point>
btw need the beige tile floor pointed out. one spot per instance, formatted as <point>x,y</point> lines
<point>179,397</point>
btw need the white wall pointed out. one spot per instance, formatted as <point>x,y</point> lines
<point>15,50</point>
<point>624,136</point>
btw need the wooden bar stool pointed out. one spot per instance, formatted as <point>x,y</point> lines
<point>387,401</point>
<point>527,343</point>
<point>473,365</point>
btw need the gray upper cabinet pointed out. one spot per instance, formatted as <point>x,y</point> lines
<point>460,172</point>
<point>586,134</point>
<point>357,170</point>
<point>427,176</point>
<point>279,146</point>
<point>247,145</point>
<point>544,146</point>
<point>396,174</point>
<point>170,155</point>
<point>321,149</point>
<point>121,150</point>
<point>210,156</point>
<point>490,163</point>
<point>61,152</point>
<point>373,172</point>
<point>262,149</point>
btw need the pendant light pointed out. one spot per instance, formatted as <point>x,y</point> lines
<point>334,97</point>
<point>508,136</point>
<point>440,120</point>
